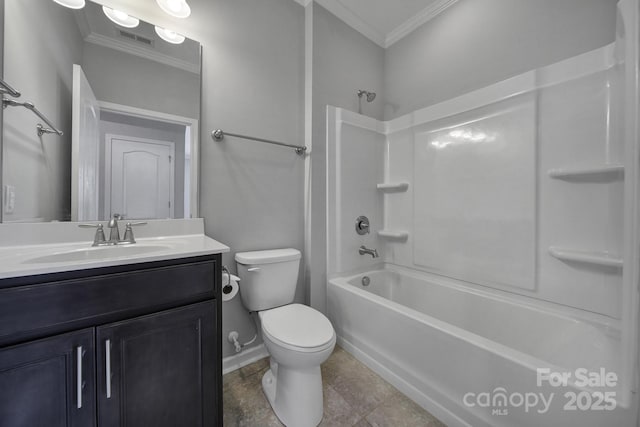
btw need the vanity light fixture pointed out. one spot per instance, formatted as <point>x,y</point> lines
<point>177,8</point>
<point>169,36</point>
<point>71,4</point>
<point>120,18</point>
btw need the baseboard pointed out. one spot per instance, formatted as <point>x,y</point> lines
<point>428,403</point>
<point>244,358</point>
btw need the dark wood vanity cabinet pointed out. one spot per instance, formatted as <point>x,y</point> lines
<point>135,345</point>
<point>39,382</point>
<point>157,369</point>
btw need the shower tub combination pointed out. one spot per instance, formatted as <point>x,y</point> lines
<point>506,295</point>
<point>444,345</point>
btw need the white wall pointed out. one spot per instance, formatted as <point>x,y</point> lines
<point>343,62</point>
<point>463,197</point>
<point>476,43</point>
<point>39,167</point>
<point>352,190</point>
<point>251,194</point>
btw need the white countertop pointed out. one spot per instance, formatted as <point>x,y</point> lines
<point>41,258</point>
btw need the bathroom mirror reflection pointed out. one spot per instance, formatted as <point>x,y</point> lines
<point>126,101</point>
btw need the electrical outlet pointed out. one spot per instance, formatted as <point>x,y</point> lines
<point>9,200</point>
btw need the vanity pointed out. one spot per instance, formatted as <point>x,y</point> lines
<point>113,336</point>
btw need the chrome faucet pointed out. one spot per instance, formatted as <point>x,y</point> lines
<point>366,251</point>
<point>114,234</point>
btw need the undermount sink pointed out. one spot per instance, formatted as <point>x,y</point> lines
<point>97,253</point>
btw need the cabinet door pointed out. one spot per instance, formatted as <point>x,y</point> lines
<point>159,370</point>
<point>49,382</point>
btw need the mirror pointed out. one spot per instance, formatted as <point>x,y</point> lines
<point>126,101</point>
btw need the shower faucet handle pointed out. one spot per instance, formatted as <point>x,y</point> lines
<point>362,225</point>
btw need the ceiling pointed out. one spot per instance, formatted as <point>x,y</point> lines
<point>384,21</point>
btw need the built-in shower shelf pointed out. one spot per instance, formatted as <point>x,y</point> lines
<point>393,187</point>
<point>399,236</point>
<point>587,257</point>
<point>603,172</point>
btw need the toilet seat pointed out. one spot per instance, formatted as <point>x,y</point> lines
<point>298,327</point>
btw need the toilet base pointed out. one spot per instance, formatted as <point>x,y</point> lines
<point>295,395</point>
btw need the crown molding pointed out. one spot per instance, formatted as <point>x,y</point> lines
<point>383,40</point>
<point>142,52</point>
<point>422,17</point>
<point>353,20</point>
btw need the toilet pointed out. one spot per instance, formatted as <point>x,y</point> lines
<point>297,337</point>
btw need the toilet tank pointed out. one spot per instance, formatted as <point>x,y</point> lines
<point>268,278</point>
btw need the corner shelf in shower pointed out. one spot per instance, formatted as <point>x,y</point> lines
<point>398,236</point>
<point>587,257</point>
<point>599,172</point>
<point>393,187</point>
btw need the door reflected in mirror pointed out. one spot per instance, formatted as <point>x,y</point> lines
<point>127,102</point>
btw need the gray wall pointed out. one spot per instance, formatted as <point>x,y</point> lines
<point>251,194</point>
<point>121,78</point>
<point>40,67</point>
<point>479,42</point>
<point>343,62</point>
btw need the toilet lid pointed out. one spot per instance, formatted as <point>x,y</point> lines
<point>297,325</point>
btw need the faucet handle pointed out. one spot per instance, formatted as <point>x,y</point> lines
<point>128,232</point>
<point>362,225</point>
<point>99,238</point>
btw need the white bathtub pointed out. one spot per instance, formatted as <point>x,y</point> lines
<point>450,347</point>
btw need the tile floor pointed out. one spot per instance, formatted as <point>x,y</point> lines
<point>353,396</point>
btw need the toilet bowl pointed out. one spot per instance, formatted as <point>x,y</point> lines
<point>293,384</point>
<point>297,337</point>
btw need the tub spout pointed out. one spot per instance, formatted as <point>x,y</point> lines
<point>366,251</point>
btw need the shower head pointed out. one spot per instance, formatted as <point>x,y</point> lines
<point>370,95</point>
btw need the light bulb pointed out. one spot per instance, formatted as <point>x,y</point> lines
<point>120,18</point>
<point>174,5</point>
<point>72,4</point>
<point>177,8</point>
<point>169,36</point>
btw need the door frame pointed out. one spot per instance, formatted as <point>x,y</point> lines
<point>194,132</point>
<point>108,141</point>
<point>78,211</point>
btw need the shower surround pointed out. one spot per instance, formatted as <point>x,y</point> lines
<point>505,219</point>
